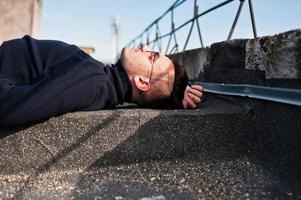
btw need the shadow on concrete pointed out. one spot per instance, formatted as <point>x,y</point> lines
<point>269,137</point>
<point>66,151</point>
<point>4,132</point>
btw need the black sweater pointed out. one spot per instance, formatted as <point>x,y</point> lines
<point>40,79</point>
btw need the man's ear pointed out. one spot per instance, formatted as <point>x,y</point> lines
<point>142,83</point>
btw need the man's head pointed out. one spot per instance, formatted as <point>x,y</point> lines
<point>154,77</point>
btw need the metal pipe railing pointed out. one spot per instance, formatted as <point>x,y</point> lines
<point>236,19</point>
<point>157,40</point>
<point>252,18</point>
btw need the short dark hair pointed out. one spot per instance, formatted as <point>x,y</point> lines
<point>179,86</point>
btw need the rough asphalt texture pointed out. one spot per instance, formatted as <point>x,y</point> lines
<point>228,149</point>
<point>186,178</point>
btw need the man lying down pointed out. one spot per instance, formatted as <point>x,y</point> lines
<point>40,79</point>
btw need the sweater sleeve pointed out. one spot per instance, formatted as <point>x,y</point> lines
<point>70,85</point>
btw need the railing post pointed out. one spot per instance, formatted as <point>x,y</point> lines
<point>236,19</point>
<point>252,19</point>
<point>192,24</point>
<point>196,13</point>
<point>147,37</point>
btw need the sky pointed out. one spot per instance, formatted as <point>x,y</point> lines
<point>89,22</point>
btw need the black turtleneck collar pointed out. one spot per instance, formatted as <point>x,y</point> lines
<point>125,85</point>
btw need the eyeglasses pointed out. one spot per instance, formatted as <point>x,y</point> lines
<point>154,55</point>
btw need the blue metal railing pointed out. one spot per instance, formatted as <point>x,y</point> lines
<point>157,39</point>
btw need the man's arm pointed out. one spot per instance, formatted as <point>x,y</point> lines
<point>72,84</point>
<point>192,96</point>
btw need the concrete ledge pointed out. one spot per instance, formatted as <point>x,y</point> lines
<point>222,128</point>
<point>77,140</point>
<point>243,147</point>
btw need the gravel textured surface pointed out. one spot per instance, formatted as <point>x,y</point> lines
<point>228,149</point>
<point>187,178</point>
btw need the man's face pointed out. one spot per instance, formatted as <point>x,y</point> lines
<point>158,68</point>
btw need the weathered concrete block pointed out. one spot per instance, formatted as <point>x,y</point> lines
<point>194,61</point>
<point>232,76</point>
<point>228,54</point>
<point>275,57</point>
<point>279,55</point>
